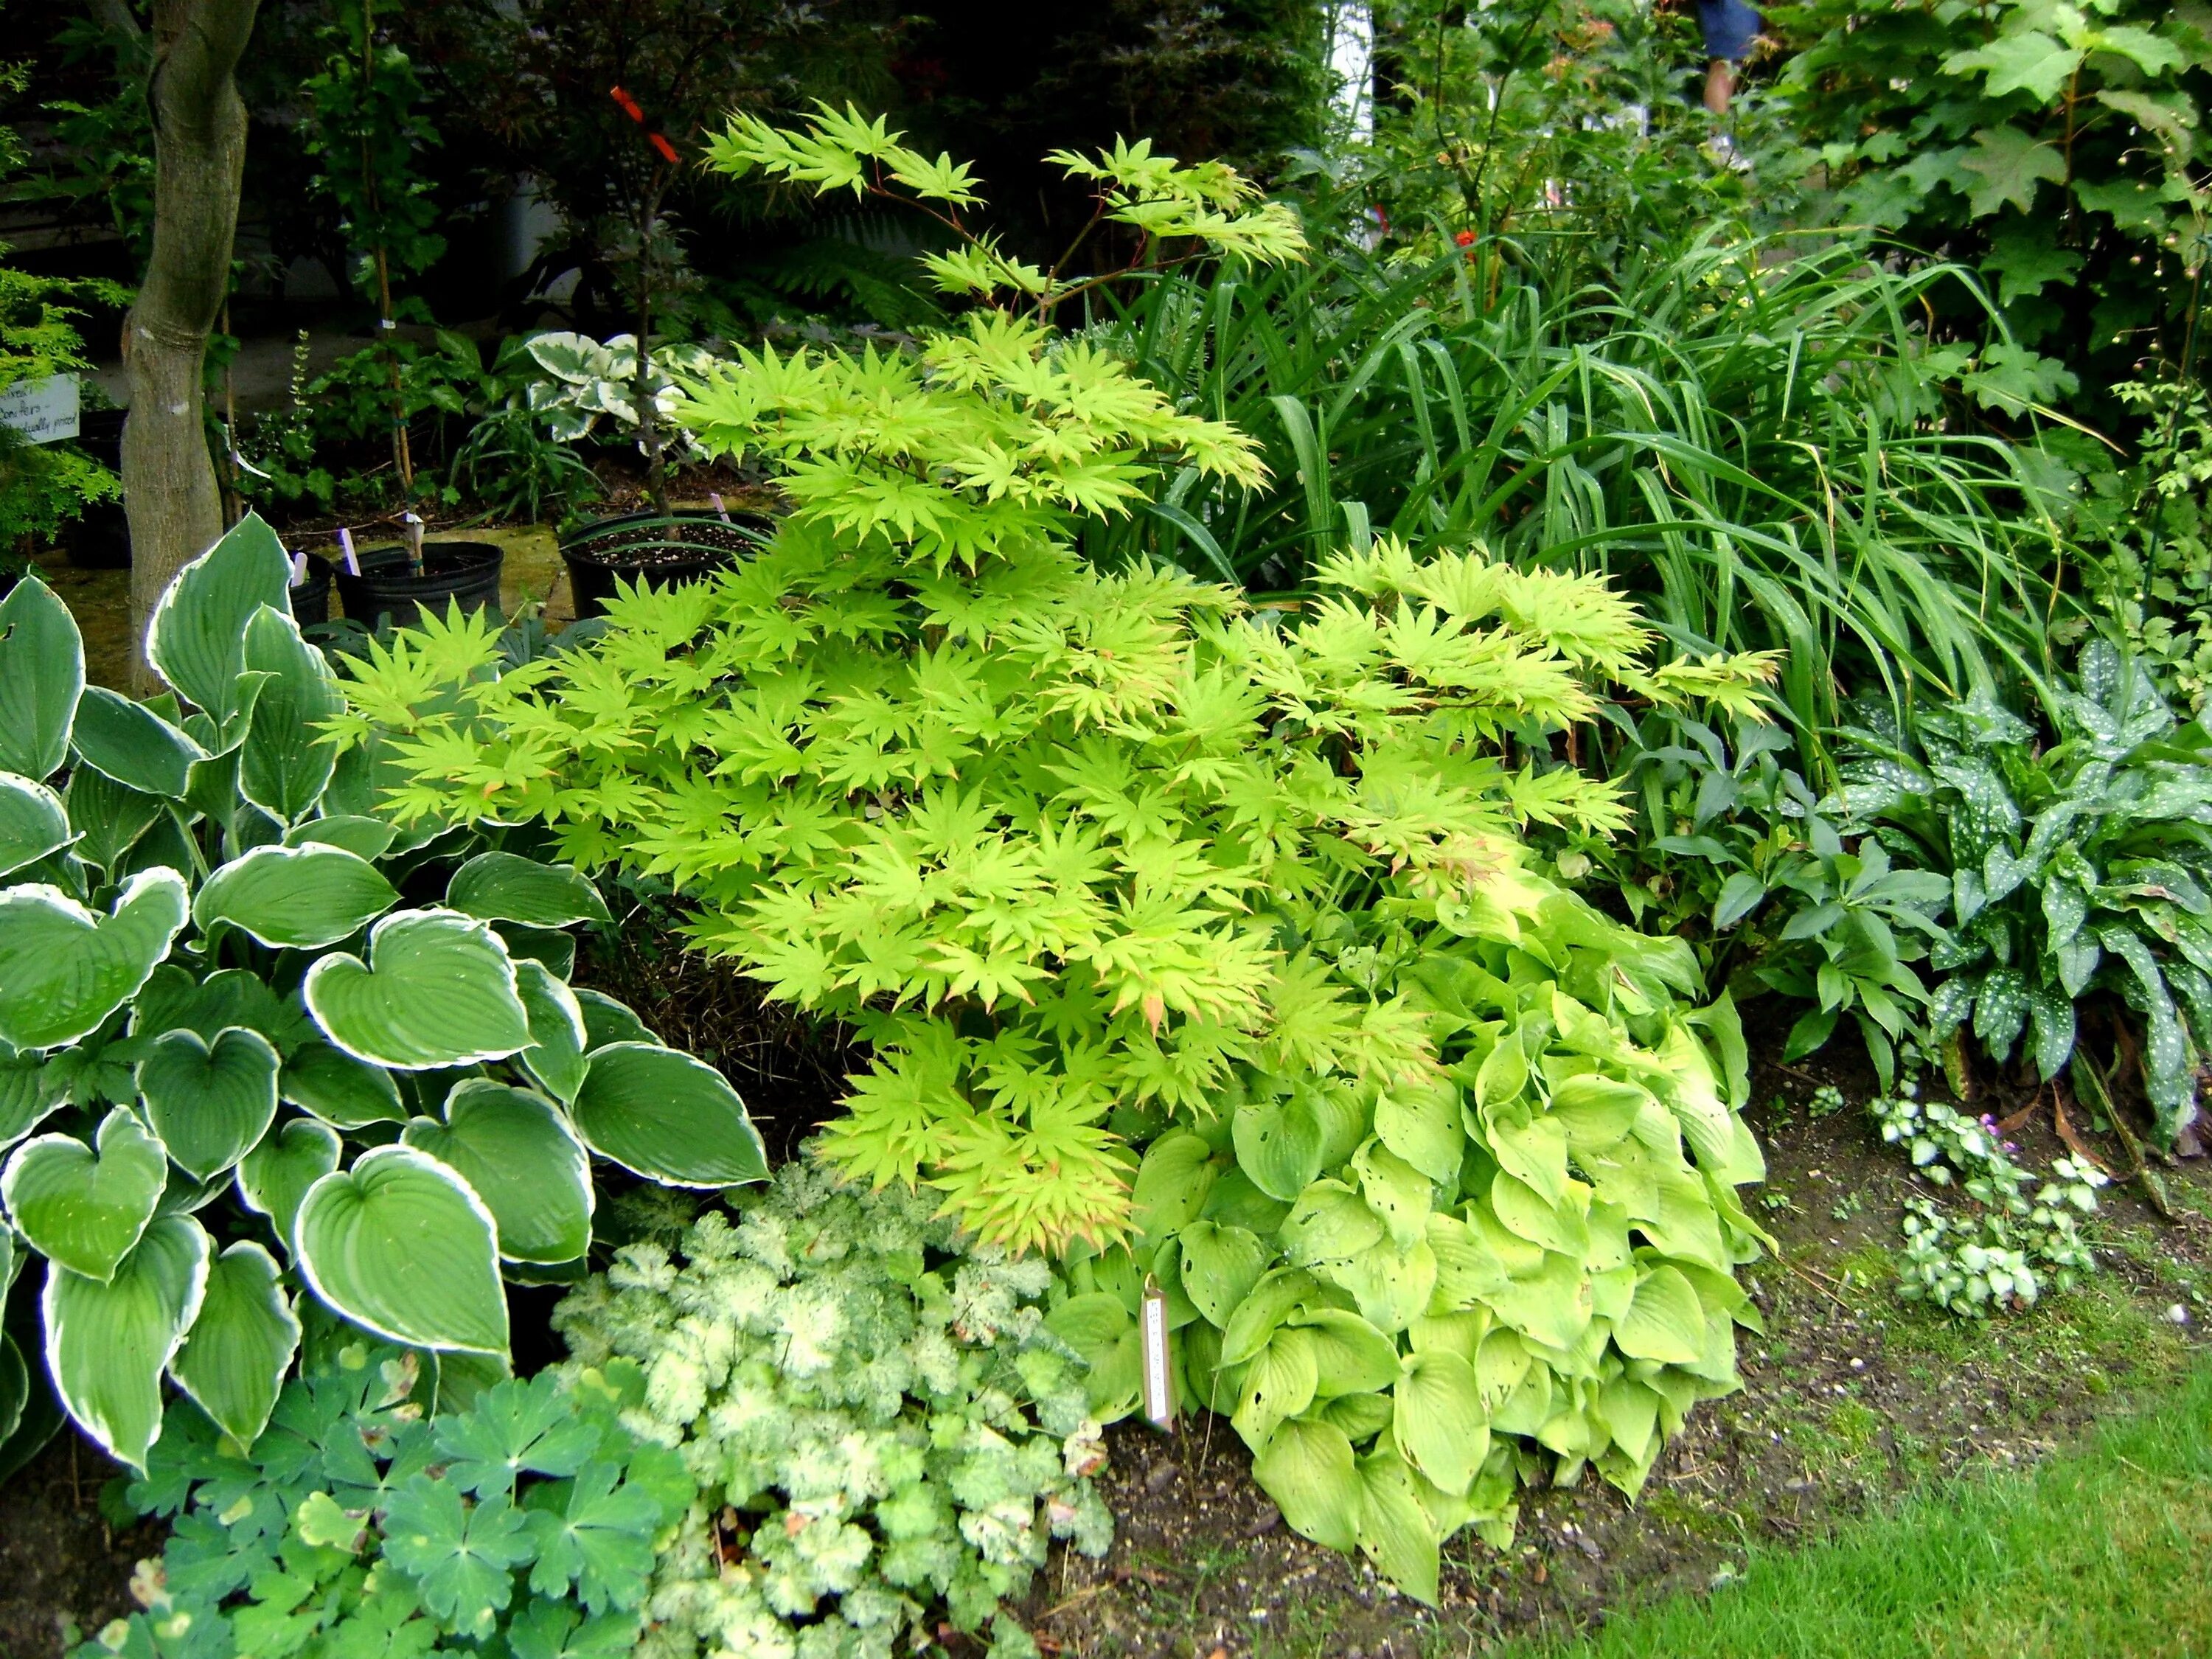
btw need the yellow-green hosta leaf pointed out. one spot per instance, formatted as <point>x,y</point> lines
<point>1220,1265</point>
<point>1552,1305</point>
<point>1396,1191</point>
<point>1173,1180</point>
<point>1100,1328</point>
<point>1328,1227</point>
<point>240,1347</point>
<point>1280,1383</point>
<point>1419,1121</point>
<point>1350,1356</point>
<point>1308,1468</point>
<point>1391,1287</point>
<point>108,1343</point>
<point>1438,1418</point>
<point>1596,1111</point>
<point>1395,1532</point>
<point>1555,1223</point>
<point>1665,1321</point>
<point>1253,1322</point>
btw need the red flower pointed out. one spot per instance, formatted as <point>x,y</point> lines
<point>1465,239</point>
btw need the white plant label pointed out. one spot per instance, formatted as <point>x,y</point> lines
<point>45,411</point>
<point>1153,1339</point>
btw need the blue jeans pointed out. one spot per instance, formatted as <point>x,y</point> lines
<point>1730,26</point>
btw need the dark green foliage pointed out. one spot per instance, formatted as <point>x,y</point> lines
<point>2080,872</point>
<point>362,1524</point>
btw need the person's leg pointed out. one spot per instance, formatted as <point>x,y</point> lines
<point>1720,81</point>
<point>1730,27</point>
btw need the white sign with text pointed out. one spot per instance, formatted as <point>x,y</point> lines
<point>44,411</point>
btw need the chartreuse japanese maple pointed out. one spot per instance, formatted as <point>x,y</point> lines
<point>526,1521</point>
<point>258,1077</point>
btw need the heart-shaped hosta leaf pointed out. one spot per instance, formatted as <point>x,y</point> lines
<point>505,887</point>
<point>607,1021</point>
<point>1439,1419</point>
<point>29,1092</point>
<point>106,818</point>
<point>64,969</point>
<point>437,990</point>
<point>83,1208</point>
<point>366,838</point>
<point>210,1103</point>
<point>14,1388</point>
<point>522,1160</point>
<point>107,1344</point>
<point>1308,1470</point>
<point>197,635</point>
<point>307,897</point>
<point>555,1054</point>
<point>287,762</point>
<point>41,678</point>
<point>132,745</point>
<point>238,1348</point>
<point>275,1176</point>
<point>401,1246</point>
<point>340,1088</point>
<point>670,1117</point>
<point>229,996</point>
<point>32,823</point>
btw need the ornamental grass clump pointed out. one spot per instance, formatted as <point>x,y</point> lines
<point>1443,1163</point>
<point>881,1424</point>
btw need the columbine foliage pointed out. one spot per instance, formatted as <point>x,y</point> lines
<point>2076,868</point>
<point>212,993</point>
<point>529,1519</point>
<point>881,1424</point>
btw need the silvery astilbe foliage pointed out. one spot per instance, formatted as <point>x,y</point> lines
<point>881,1424</point>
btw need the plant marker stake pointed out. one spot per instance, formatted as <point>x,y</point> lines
<point>1153,1339</point>
<point>299,568</point>
<point>414,523</point>
<point>345,543</point>
<point>720,512</point>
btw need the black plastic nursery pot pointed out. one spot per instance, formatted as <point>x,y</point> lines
<point>101,537</point>
<point>311,597</point>
<point>388,588</point>
<point>661,550</point>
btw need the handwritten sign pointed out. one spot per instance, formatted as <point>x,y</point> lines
<point>44,411</point>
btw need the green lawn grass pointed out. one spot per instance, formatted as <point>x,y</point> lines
<point>2098,1554</point>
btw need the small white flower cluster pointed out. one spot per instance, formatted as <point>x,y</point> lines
<point>883,1427</point>
<point>2016,1240</point>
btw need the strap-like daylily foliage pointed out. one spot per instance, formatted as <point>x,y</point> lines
<point>250,1067</point>
<point>1097,858</point>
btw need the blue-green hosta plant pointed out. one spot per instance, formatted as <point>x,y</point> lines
<point>2078,868</point>
<point>526,1522</point>
<point>883,1429</point>
<point>237,1066</point>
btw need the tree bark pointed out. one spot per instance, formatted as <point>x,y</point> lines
<point>199,159</point>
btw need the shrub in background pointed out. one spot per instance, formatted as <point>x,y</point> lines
<point>210,984</point>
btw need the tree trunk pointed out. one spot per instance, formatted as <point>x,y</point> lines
<point>199,157</point>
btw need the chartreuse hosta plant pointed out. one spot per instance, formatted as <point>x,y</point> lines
<point>884,1431</point>
<point>526,1522</point>
<point>235,1064</point>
